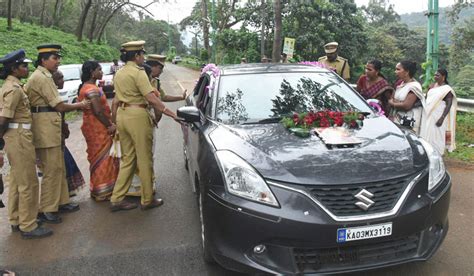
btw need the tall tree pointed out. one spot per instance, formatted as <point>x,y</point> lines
<point>277,31</point>
<point>92,26</point>
<point>43,12</point>
<point>262,30</point>
<point>57,12</point>
<point>82,19</point>
<point>9,15</point>
<point>205,25</point>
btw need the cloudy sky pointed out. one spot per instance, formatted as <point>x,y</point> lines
<point>179,9</point>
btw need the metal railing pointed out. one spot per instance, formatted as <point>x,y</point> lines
<point>465,105</point>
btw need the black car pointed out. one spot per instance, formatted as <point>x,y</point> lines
<point>275,202</point>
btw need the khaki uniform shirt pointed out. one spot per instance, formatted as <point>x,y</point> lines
<point>132,84</point>
<point>338,65</point>
<point>155,82</point>
<point>42,91</point>
<point>14,103</point>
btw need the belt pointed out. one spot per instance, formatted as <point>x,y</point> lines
<point>122,104</point>
<point>38,109</point>
<point>19,125</point>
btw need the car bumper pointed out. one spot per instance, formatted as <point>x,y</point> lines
<point>300,237</point>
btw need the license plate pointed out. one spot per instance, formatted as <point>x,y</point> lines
<point>364,232</point>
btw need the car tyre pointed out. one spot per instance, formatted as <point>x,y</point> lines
<point>207,255</point>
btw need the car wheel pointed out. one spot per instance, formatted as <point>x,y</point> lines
<point>207,255</point>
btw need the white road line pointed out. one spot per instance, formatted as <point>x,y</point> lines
<point>181,86</point>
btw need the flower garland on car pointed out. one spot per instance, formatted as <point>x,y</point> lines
<point>302,123</point>
<point>214,71</point>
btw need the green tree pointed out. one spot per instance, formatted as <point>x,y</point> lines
<point>464,86</point>
<point>314,23</point>
<point>462,48</point>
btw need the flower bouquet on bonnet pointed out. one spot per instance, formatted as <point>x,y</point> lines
<point>301,124</point>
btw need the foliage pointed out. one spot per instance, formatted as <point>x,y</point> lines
<point>464,137</point>
<point>417,20</point>
<point>377,13</point>
<point>463,45</point>
<point>236,44</point>
<point>465,82</point>
<point>28,36</point>
<point>314,23</point>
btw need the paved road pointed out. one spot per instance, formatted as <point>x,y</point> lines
<point>166,241</point>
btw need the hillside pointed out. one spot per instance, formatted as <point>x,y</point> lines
<point>417,20</point>
<point>28,36</point>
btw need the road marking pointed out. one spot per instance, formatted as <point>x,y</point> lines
<point>180,85</point>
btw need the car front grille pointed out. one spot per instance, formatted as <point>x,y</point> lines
<point>340,199</point>
<point>340,258</point>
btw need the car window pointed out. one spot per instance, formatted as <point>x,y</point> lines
<point>71,73</point>
<point>201,97</point>
<point>254,97</point>
<point>106,68</point>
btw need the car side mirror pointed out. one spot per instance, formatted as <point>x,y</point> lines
<point>190,114</point>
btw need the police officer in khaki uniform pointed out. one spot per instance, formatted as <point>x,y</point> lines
<point>157,64</point>
<point>15,128</point>
<point>133,92</point>
<point>335,62</point>
<point>46,108</point>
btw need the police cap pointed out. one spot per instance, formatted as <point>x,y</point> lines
<point>14,57</point>
<point>133,46</point>
<point>331,47</point>
<point>157,58</point>
<point>50,48</point>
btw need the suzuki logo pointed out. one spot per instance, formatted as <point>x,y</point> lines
<point>365,199</point>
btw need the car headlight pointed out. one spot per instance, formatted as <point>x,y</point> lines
<point>437,169</point>
<point>242,180</point>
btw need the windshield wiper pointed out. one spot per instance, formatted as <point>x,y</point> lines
<point>264,121</point>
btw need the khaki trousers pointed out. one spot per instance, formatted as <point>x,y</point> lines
<point>54,190</point>
<point>23,182</point>
<point>136,140</point>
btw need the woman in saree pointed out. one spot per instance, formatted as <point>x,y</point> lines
<point>438,125</point>
<point>408,100</point>
<point>98,130</point>
<point>373,85</point>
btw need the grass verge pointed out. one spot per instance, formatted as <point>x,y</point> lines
<point>464,138</point>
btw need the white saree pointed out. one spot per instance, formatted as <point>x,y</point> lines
<point>443,137</point>
<point>401,94</point>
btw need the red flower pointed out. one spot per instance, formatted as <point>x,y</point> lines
<point>324,122</point>
<point>339,121</point>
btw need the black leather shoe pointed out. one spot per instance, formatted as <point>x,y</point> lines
<point>122,206</point>
<point>38,233</point>
<point>49,218</point>
<point>68,208</point>
<point>15,228</point>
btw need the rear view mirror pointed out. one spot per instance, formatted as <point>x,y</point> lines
<point>189,114</point>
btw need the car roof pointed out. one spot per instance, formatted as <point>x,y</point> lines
<point>70,66</point>
<point>256,68</point>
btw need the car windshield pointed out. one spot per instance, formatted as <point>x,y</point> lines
<point>255,97</point>
<point>72,73</point>
<point>106,68</point>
